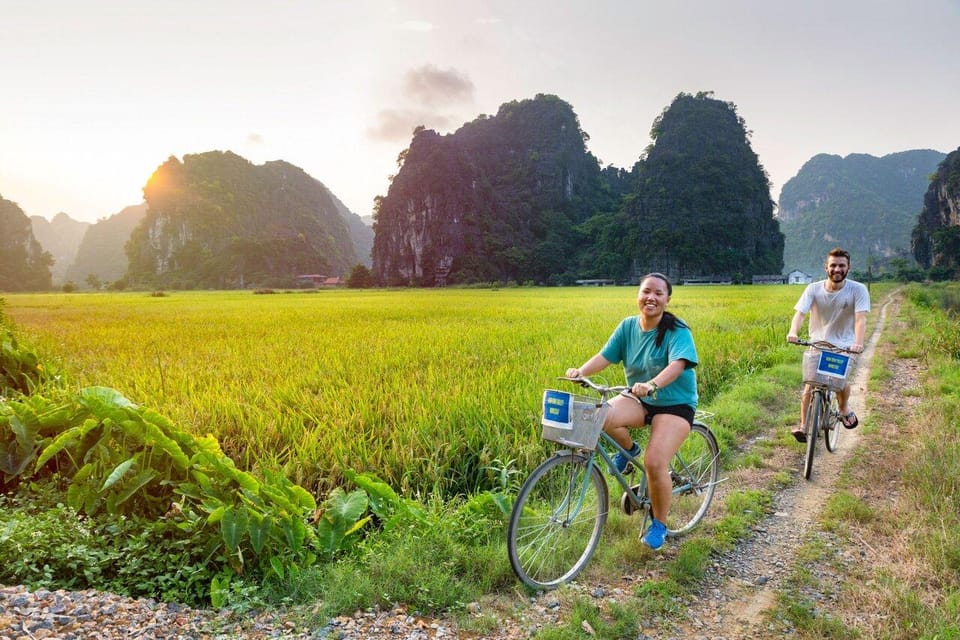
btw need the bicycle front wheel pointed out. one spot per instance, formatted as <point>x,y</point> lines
<point>830,425</point>
<point>694,471</point>
<point>813,430</point>
<point>556,522</point>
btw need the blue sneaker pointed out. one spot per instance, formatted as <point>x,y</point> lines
<point>621,461</point>
<point>656,534</point>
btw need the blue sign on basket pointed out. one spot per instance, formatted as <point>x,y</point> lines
<point>833,364</point>
<point>557,409</point>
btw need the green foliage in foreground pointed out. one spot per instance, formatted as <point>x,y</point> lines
<point>119,459</point>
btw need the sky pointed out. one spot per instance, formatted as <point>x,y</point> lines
<point>95,95</point>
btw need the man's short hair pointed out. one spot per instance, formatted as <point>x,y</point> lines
<point>837,252</point>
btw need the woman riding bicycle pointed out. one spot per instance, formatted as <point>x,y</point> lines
<point>838,310</point>
<point>659,357</point>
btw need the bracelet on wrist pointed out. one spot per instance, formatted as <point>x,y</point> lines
<point>654,388</point>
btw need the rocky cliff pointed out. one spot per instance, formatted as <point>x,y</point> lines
<point>936,237</point>
<point>497,200</point>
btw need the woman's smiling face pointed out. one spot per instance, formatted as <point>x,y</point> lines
<point>653,296</point>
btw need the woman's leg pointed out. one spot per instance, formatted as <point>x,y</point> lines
<point>667,434</point>
<point>624,414</point>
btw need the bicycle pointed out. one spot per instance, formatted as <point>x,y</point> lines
<point>560,511</point>
<point>825,369</point>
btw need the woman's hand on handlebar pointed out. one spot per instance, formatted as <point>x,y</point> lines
<point>642,389</point>
<point>573,372</point>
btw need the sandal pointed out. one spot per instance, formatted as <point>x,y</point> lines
<point>800,436</point>
<point>850,420</point>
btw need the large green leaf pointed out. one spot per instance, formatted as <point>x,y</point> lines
<point>259,530</point>
<point>277,497</point>
<point>346,507</point>
<point>142,479</point>
<point>65,439</point>
<point>105,402</point>
<point>384,501</point>
<point>14,459</point>
<point>295,531</point>
<point>302,497</point>
<point>330,535</point>
<point>233,526</point>
<point>118,472</point>
<point>154,436</point>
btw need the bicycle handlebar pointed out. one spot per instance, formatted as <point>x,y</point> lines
<point>622,390</point>
<point>823,345</point>
<point>602,389</point>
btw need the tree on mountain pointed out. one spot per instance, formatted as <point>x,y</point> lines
<point>702,204</point>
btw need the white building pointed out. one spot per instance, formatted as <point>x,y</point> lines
<point>799,277</point>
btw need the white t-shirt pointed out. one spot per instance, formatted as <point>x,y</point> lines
<point>832,313</point>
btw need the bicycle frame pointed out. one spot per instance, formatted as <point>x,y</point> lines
<point>819,412</point>
<point>639,498</point>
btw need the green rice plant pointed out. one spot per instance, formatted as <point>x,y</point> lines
<point>425,388</point>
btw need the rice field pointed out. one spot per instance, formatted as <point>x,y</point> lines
<point>424,387</point>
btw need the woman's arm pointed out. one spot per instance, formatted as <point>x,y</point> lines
<point>667,375</point>
<point>590,367</point>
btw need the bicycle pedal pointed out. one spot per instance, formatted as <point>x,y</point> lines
<point>626,504</point>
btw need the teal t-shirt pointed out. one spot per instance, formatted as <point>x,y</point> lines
<point>642,359</point>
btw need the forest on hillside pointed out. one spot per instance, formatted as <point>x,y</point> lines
<point>518,197</point>
<point>216,220</point>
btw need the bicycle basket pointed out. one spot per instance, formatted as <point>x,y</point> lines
<point>572,420</point>
<point>827,368</point>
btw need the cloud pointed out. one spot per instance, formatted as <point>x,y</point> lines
<point>427,95</point>
<point>395,125</point>
<point>429,85</point>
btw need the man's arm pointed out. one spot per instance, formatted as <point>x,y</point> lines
<point>859,331</point>
<point>795,325</point>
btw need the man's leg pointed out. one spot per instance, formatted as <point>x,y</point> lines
<point>849,418</point>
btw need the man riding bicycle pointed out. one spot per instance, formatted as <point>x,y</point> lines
<point>838,310</point>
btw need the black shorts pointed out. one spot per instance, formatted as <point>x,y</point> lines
<point>685,411</point>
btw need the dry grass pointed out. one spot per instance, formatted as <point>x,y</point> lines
<point>893,582</point>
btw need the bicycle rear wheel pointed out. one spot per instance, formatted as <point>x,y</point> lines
<point>556,521</point>
<point>694,471</point>
<point>813,430</point>
<point>830,424</point>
